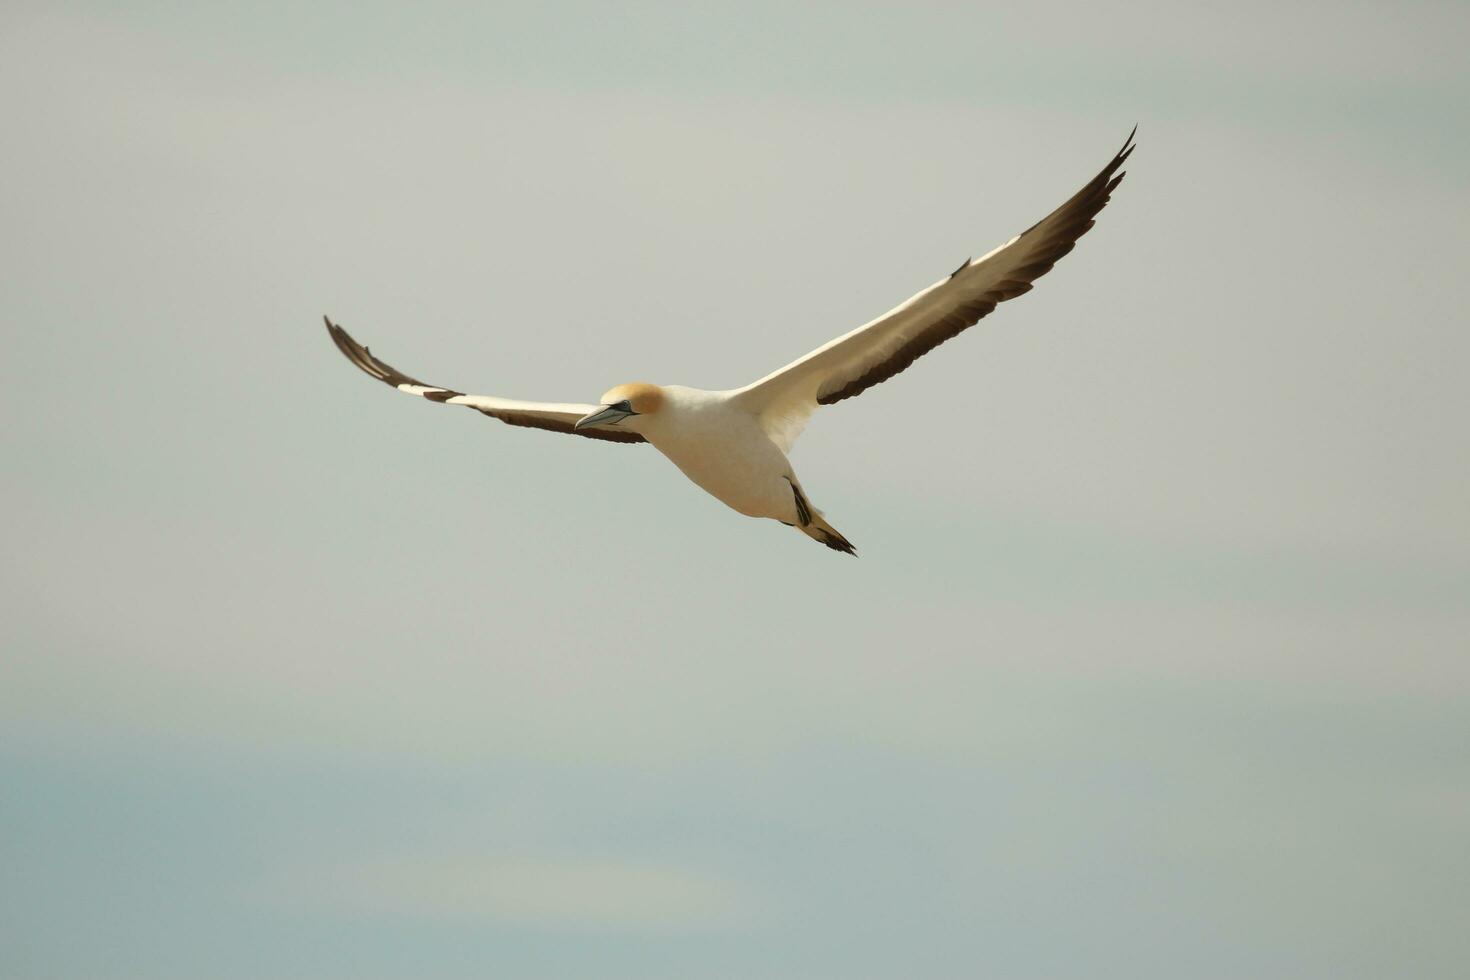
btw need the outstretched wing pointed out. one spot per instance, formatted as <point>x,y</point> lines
<point>877,351</point>
<point>535,415</point>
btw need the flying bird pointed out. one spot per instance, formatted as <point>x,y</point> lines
<point>733,443</point>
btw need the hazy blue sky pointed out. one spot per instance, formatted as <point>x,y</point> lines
<point>1156,663</point>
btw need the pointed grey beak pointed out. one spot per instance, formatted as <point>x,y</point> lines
<point>607,415</point>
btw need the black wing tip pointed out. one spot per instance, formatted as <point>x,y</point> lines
<point>340,337</point>
<point>1128,147</point>
<point>336,332</point>
<point>1127,151</point>
<point>1128,143</point>
<point>353,351</point>
<point>1091,199</point>
<point>363,359</point>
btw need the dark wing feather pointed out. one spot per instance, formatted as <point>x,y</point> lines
<point>533,415</point>
<point>878,350</point>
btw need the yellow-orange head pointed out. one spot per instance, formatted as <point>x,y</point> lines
<point>642,397</point>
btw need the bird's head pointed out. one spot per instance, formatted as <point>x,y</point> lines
<point>625,401</point>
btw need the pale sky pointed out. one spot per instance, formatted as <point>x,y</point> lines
<point>1156,663</point>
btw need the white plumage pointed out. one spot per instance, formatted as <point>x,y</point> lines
<point>734,443</point>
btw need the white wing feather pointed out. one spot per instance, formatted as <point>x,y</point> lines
<point>556,417</point>
<point>785,399</point>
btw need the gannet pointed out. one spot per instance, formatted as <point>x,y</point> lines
<point>734,443</point>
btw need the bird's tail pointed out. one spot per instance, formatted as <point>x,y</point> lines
<point>819,530</point>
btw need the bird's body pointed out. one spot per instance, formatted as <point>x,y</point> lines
<point>718,442</point>
<point>723,450</point>
<point>733,443</point>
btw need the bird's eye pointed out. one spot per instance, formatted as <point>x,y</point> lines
<point>624,406</point>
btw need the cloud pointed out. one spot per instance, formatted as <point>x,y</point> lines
<point>558,893</point>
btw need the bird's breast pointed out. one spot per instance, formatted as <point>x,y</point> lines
<point>729,456</point>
